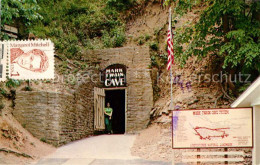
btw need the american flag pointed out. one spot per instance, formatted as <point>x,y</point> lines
<point>170,44</point>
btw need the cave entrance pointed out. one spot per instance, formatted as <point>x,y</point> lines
<point>117,100</point>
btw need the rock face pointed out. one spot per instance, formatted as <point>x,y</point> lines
<point>59,118</point>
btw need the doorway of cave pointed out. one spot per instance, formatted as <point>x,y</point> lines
<point>117,100</point>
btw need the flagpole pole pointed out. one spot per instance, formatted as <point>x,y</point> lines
<point>170,22</point>
<point>171,105</point>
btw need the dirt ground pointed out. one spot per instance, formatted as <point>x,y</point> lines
<point>154,143</point>
<point>18,141</point>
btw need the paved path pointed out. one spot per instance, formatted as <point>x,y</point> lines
<point>98,150</point>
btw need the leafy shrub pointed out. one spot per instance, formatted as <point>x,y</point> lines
<point>12,83</point>
<point>154,46</point>
<point>147,37</point>
<point>115,38</point>
<point>158,60</point>
<point>153,60</point>
<point>225,30</point>
<point>118,37</point>
<point>27,88</point>
<point>120,5</point>
<point>3,92</point>
<point>43,139</point>
<point>140,41</point>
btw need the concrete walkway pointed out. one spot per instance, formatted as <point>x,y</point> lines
<point>98,150</point>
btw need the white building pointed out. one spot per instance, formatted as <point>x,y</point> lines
<point>251,98</point>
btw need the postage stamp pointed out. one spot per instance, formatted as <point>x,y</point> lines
<point>31,60</point>
<point>3,59</point>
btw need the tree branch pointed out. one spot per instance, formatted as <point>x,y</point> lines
<point>225,94</point>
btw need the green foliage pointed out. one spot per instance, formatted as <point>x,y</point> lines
<point>3,92</point>
<point>43,139</point>
<point>147,37</point>
<point>241,49</point>
<point>142,39</point>
<point>158,60</point>
<point>16,12</point>
<point>120,5</point>
<point>115,38</point>
<point>24,125</point>
<point>153,60</point>
<point>12,83</point>
<point>27,88</point>
<point>75,25</point>
<point>154,46</point>
<point>25,11</point>
<point>228,30</point>
<point>243,87</point>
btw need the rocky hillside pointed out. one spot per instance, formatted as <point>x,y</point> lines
<point>75,27</point>
<point>191,89</point>
<point>17,145</point>
<point>200,93</point>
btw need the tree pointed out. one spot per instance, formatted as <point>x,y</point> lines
<point>227,30</point>
<point>19,13</point>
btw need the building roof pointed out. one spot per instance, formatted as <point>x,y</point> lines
<point>250,97</point>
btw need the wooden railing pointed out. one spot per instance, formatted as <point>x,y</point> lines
<point>218,157</point>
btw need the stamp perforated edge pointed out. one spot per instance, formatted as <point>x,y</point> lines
<point>51,76</point>
<point>4,61</point>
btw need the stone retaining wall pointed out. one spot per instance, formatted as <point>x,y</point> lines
<point>54,117</point>
<point>60,118</point>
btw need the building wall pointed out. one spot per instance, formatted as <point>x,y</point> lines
<point>256,150</point>
<point>139,84</point>
<point>59,118</point>
<point>39,113</point>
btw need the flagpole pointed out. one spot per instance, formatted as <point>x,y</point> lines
<point>170,22</point>
<point>171,104</point>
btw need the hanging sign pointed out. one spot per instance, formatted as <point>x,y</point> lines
<point>212,128</point>
<point>10,31</point>
<point>114,76</point>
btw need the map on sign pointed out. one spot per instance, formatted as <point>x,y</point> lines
<point>212,128</point>
<point>205,133</point>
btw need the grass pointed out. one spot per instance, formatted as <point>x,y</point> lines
<point>24,125</point>
<point>77,25</point>
<point>43,139</point>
